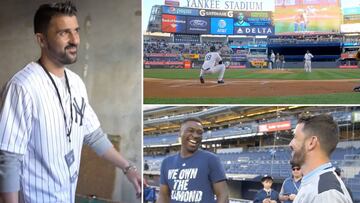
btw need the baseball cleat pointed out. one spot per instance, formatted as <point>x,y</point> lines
<point>356,89</point>
<point>202,79</point>
<point>221,82</point>
<point>227,64</point>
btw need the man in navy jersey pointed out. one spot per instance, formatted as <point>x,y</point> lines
<point>192,175</point>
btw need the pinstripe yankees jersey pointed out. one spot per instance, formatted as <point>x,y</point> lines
<point>32,124</point>
<point>211,59</point>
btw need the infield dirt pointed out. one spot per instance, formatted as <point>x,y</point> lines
<point>170,88</point>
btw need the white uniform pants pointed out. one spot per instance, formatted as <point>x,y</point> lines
<point>307,66</point>
<point>278,64</point>
<point>215,69</point>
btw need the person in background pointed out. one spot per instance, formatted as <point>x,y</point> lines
<point>267,194</point>
<point>206,177</point>
<point>307,57</point>
<point>291,185</point>
<point>315,139</point>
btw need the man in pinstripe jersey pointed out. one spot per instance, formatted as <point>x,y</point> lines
<point>45,118</point>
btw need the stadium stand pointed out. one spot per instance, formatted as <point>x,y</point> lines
<point>246,152</point>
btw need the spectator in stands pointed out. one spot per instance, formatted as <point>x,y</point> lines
<point>308,56</point>
<point>146,166</point>
<point>192,175</point>
<point>267,194</point>
<point>240,20</point>
<point>291,185</point>
<point>315,139</point>
<point>213,64</point>
<point>338,172</point>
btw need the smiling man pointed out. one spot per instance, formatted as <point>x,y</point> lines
<point>192,175</point>
<point>45,118</point>
<point>315,139</point>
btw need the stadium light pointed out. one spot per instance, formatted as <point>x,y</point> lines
<point>149,129</point>
<point>295,107</point>
<point>227,119</point>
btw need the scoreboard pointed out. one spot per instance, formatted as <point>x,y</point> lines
<point>217,22</point>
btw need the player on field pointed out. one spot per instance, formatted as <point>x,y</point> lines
<point>272,60</point>
<point>278,61</point>
<point>192,175</point>
<point>308,56</point>
<point>315,139</point>
<point>45,118</point>
<point>213,64</point>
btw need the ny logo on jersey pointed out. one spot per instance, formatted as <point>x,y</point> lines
<point>79,110</point>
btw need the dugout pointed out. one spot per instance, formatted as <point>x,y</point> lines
<point>326,47</point>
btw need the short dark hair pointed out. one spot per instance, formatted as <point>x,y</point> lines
<point>266,177</point>
<point>324,128</point>
<point>212,48</point>
<point>293,164</point>
<point>46,11</point>
<point>191,119</point>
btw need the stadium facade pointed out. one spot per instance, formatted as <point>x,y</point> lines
<point>246,31</point>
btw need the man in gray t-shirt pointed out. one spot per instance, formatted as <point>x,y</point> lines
<point>192,175</point>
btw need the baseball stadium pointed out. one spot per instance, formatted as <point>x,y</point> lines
<point>177,34</point>
<point>250,141</point>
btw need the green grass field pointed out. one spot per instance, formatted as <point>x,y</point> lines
<point>292,74</point>
<point>341,98</point>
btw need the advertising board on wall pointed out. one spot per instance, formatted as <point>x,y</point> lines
<point>253,18</point>
<point>216,13</point>
<point>222,26</point>
<point>173,23</point>
<point>198,25</point>
<point>275,126</point>
<point>180,11</point>
<point>254,30</point>
<point>218,22</point>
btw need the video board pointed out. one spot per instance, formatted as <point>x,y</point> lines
<point>217,22</point>
<point>307,15</point>
<point>351,16</point>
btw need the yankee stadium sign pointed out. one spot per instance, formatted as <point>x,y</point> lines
<point>235,5</point>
